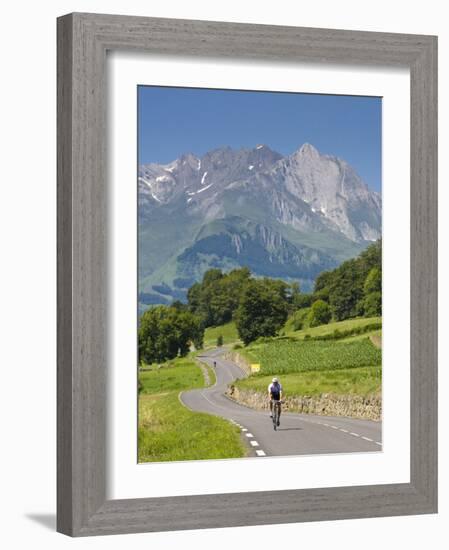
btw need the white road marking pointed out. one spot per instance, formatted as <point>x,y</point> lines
<point>254,443</point>
<point>249,435</point>
<point>342,430</point>
<point>244,429</point>
<point>352,433</point>
<point>335,427</point>
<point>259,452</point>
<point>367,438</point>
<point>377,443</point>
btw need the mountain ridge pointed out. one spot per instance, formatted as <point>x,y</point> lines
<point>314,206</point>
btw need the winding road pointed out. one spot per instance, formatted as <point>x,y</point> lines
<point>298,434</point>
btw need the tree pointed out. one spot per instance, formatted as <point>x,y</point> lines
<point>262,310</point>
<point>320,313</point>
<point>344,288</point>
<point>373,281</point>
<point>177,304</point>
<point>219,340</point>
<point>302,300</point>
<point>373,304</point>
<point>166,332</point>
<point>217,297</point>
<point>293,293</point>
<point>323,280</point>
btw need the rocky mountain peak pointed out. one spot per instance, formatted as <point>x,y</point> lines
<point>289,217</point>
<point>309,150</point>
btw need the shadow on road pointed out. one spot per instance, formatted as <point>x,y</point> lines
<point>289,429</point>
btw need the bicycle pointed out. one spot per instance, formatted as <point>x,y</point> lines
<point>276,412</point>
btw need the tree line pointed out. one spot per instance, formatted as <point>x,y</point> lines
<point>260,306</point>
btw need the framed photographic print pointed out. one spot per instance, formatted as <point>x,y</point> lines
<point>246,274</point>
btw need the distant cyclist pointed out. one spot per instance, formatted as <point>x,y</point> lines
<point>275,394</point>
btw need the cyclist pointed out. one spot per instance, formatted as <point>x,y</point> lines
<point>275,394</point>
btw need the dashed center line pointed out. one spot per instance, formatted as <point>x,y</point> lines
<point>348,432</point>
<point>260,452</point>
<point>253,442</point>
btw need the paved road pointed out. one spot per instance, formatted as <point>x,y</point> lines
<point>298,434</point>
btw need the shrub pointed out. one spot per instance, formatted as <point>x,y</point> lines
<point>320,313</point>
<point>219,340</point>
<point>300,318</point>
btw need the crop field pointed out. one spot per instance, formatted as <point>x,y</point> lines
<point>282,356</point>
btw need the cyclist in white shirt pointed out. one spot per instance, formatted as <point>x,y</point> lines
<point>274,394</point>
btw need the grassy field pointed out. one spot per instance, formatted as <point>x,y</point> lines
<point>228,331</point>
<point>182,374</point>
<point>355,381</point>
<point>345,366</point>
<point>168,430</point>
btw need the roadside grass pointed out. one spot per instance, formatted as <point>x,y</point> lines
<point>323,330</point>
<point>211,372</point>
<point>228,331</point>
<point>169,431</point>
<point>355,381</point>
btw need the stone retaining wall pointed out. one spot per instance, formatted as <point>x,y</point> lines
<point>238,360</point>
<point>355,406</point>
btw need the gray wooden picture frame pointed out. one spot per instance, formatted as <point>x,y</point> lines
<point>83,41</point>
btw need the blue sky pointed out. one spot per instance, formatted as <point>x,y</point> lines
<point>173,121</point>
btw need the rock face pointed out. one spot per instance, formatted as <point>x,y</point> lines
<point>289,217</point>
